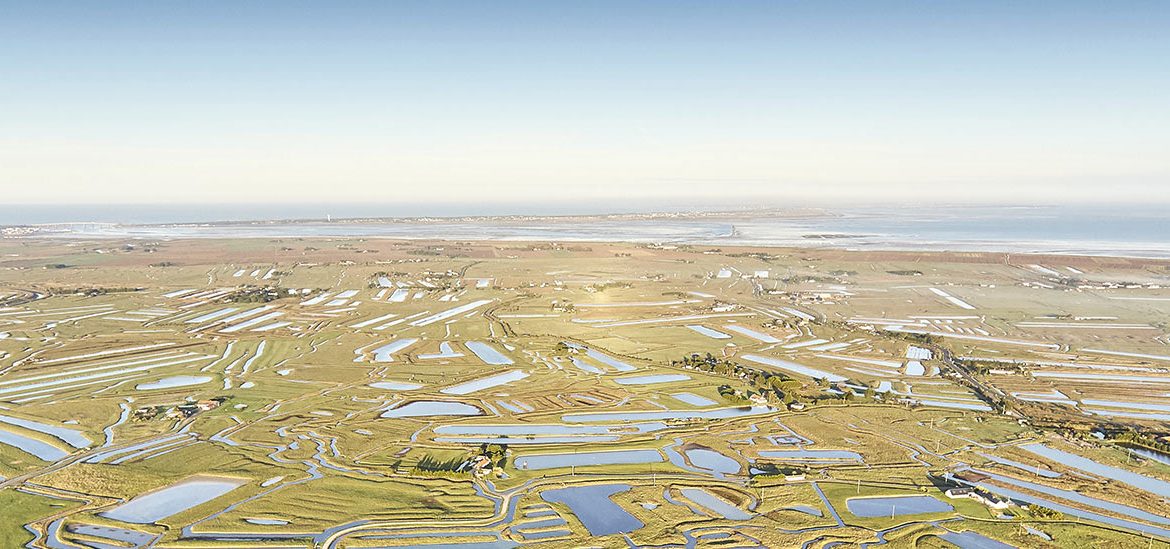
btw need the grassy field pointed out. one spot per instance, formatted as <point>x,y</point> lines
<point>131,367</point>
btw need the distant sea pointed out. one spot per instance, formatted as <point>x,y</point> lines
<point>1137,230</point>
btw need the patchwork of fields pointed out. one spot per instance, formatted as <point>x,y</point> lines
<point>377,393</point>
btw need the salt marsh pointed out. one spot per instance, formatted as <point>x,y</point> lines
<point>715,504</point>
<point>487,353</point>
<point>594,508</point>
<point>40,449</point>
<point>713,334</point>
<point>173,382</point>
<point>174,499</point>
<point>430,408</point>
<point>386,352</point>
<point>485,383</point>
<point>896,506</point>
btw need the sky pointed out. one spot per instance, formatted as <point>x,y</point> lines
<point>620,103</point>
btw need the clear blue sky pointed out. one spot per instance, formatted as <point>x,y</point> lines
<point>507,101</point>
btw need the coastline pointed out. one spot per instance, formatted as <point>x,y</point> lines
<point>1097,230</point>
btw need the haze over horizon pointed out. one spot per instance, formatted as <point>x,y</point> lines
<point>630,104</point>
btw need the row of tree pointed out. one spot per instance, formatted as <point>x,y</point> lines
<point>1135,438</point>
<point>431,464</point>
<point>772,385</point>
